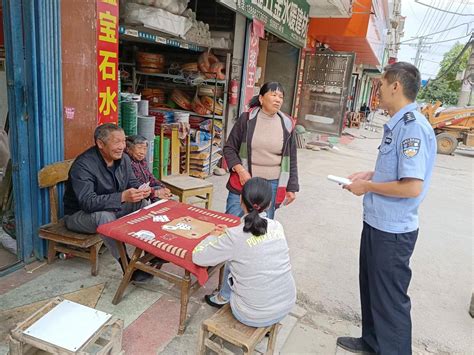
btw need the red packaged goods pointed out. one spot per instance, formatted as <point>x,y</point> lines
<point>181,99</point>
<point>198,107</point>
<point>151,62</point>
<point>211,105</point>
<point>156,97</point>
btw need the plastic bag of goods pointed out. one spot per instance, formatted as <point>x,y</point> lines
<point>198,107</point>
<point>210,65</point>
<point>181,99</point>
<point>176,7</point>
<point>156,97</point>
<point>150,62</point>
<point>212,105</point>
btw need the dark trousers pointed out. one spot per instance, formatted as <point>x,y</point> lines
<point>384,277</point>
<point>82,222</point>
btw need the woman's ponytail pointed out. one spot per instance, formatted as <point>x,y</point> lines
<point>254,102</point>
<point>256,196</point>
<point>255,224</point>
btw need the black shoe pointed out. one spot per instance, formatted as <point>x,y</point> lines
<point>354,345</point>
<point>138,276</point>
<point>157,262</point>
<point>213,301</point>
<point>141,276</point>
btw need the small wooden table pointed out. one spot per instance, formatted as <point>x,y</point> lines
<point>102,339</point>
<point>173,241</point>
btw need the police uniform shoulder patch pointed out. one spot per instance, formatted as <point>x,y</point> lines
<point>409,117</point>
<point>411,147</point>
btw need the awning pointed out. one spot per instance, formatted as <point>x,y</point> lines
<point>363,33</point>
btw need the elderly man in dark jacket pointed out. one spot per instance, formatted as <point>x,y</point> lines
<point>102,187</point>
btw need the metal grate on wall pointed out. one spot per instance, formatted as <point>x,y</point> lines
<point>44,94</point>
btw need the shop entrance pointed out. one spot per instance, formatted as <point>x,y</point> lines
<point>326,87</point>
<point>280,63</point>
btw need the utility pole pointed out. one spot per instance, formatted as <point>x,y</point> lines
<point>466,95</point>
<point>419,49</point>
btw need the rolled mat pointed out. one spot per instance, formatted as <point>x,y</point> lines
<point>150,154</point>
<point>143,107</point>
<point>146,128</point>
<point>156,156</point>
<point>129,117</point>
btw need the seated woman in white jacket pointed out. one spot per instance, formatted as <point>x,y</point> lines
<point>257,280</point>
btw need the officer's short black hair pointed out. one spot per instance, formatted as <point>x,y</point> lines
<point>407,75</point>
<point>102,132</point>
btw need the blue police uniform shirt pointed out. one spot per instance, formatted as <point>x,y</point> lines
<point>408,150</point>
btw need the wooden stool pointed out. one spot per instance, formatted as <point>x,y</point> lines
<point>187,186</point>
<point>354,120</point>
<point>105,338</point>
<point>181,184</point>
<point>223,326</point>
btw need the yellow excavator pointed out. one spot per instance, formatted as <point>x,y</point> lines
<point>452,126</point>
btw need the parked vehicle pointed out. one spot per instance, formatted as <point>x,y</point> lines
<point>452,126</point>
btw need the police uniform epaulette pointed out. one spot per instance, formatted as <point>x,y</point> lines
<point>409,117</point>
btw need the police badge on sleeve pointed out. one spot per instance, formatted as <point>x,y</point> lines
<point>411,147</point>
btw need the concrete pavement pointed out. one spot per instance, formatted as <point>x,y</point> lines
<point>323,228</point>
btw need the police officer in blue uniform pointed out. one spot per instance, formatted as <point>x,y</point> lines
<point>392,195</point>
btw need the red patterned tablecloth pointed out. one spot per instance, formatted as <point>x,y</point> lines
<point>144,229</point>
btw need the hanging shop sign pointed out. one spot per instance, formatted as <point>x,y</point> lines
<point>107,60</point>
<point>256,32</point>
<point>287,19</point>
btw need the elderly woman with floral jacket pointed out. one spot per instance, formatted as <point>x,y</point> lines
<point>137,146</point>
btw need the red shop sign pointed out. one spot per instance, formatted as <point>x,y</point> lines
<point>257,31</point>
<point>107,60</point>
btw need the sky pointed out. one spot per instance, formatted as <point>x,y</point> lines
<point>422,20</point>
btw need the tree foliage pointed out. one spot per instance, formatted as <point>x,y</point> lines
<point>446,88</point>
<point>439,91</point>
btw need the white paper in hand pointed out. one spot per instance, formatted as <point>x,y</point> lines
<point>144,186</point>
<point>340,180</point>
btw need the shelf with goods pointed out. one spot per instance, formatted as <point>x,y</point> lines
<point>143,34</point>
<point>175,90</point>
<point>186,80</point>
<point>182,77</point>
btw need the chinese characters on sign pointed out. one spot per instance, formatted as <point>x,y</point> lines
<point>252,60</point>
<point>107,60</point>
<point>286,18</point>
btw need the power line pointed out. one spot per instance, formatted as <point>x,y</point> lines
<point>444,15</point>
<point>431,19</point>
<point>455,61</point>
<point>449,40</point>
<point>428,60</point>
<point>428,43</point>
<point>413,12</point>
<point>438,9</point>
<point>423,21</point>
<point>434,33</point>
<point>443,37</point>
<point>437,19</point>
